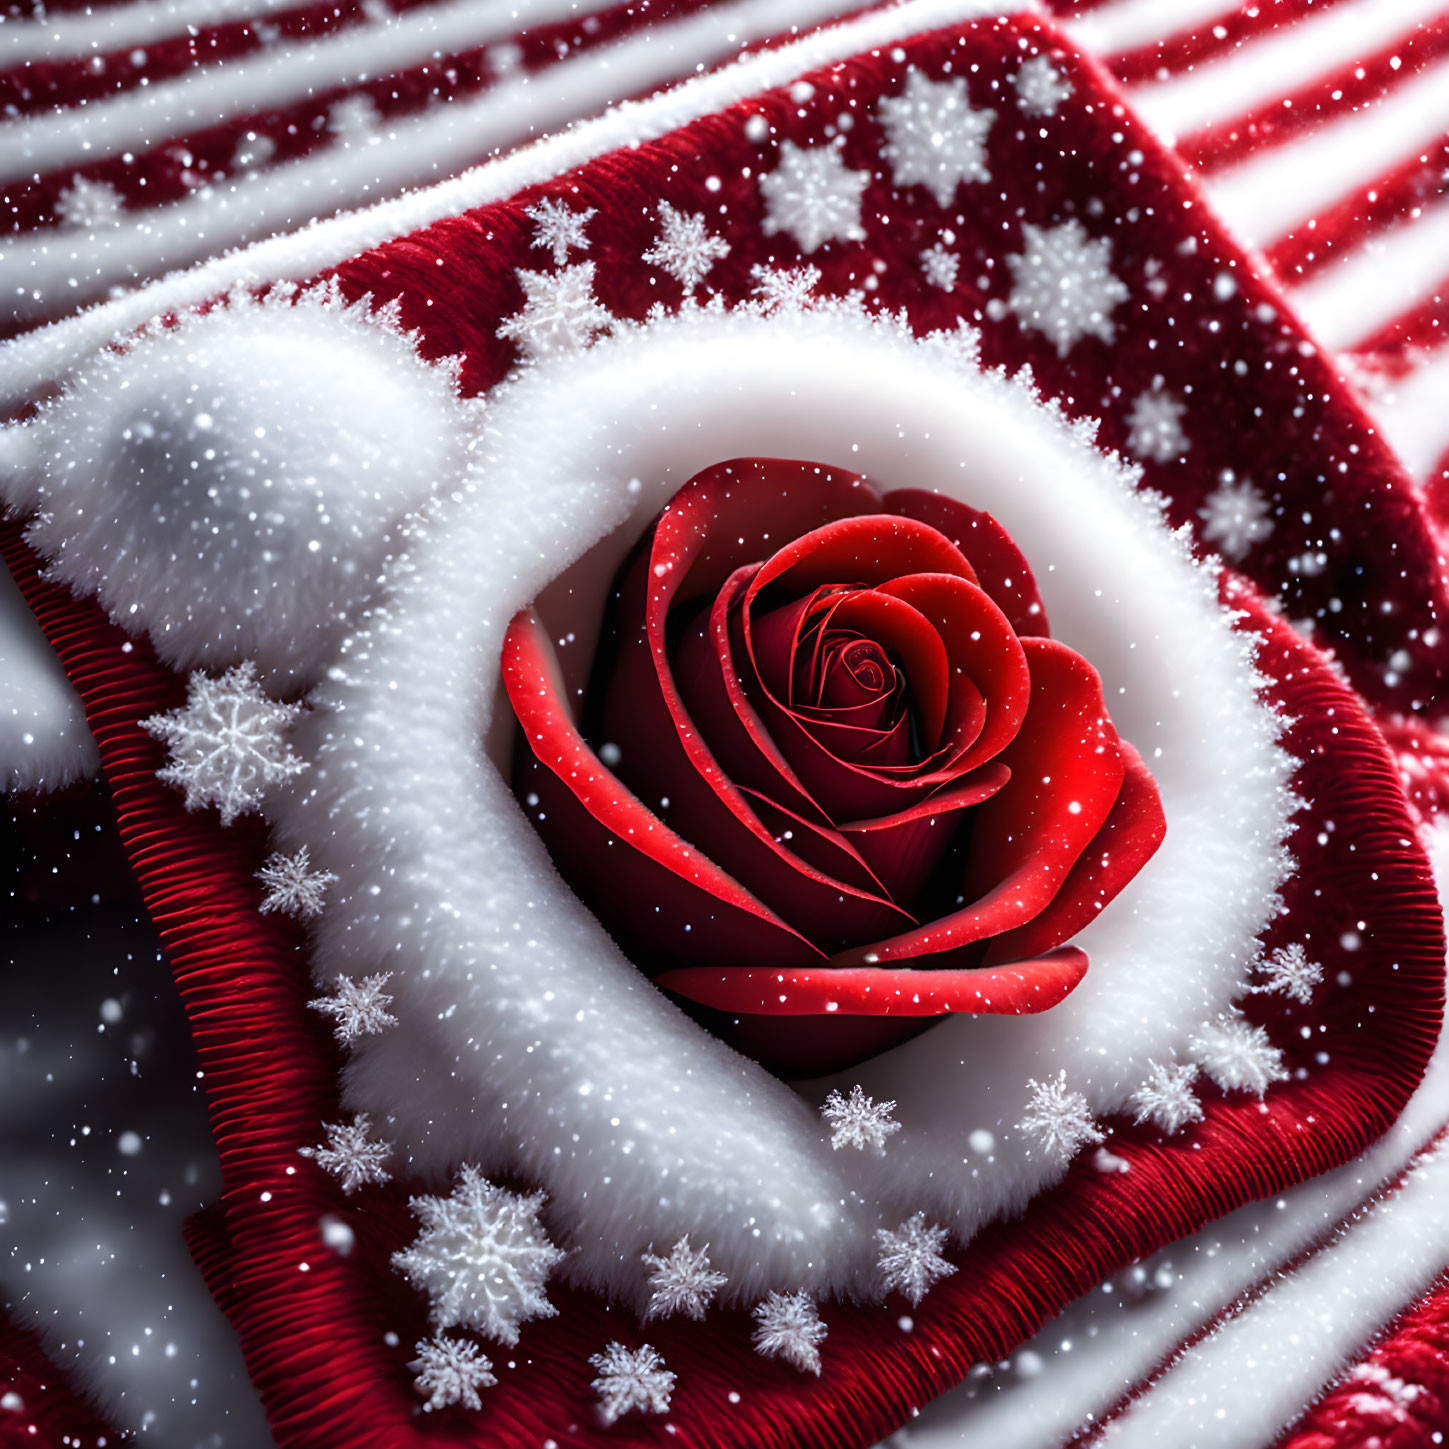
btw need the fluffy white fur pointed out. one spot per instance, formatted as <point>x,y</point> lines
<point>527,1042</point>
<point>227,484</point>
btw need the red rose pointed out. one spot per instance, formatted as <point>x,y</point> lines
<point>831,777</point>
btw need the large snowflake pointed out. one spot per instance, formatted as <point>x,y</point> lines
<point>813,195</point>
<point>1040,87</point>
<point>451,1371</point>
<point>859,1121</point>
<point>1064,284</point>
<point>482,1257</point>
<point>1237,1055</point>
<point>1155,426</point>
<point>1058,1120</point>
<point>351,1154</point>
<point>293,887</point>
<point>560,312</point>
<point>788,1326</point>
<point>87,205</point>
<point>1167,1098</point>
<point>1290,972</point>
<point>1235,517</point>
<point>933,135</point>
<point>558,228</point>
<point>357,1008</point>
<point>910,1258</point>
<point>685,247</point>
<point>228,743</point>
<point>631,1379</point>
<point>683,1282</point>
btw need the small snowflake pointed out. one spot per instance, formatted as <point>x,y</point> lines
<point>1064,284</point>
<point>940,266</point>
<point>1167,1098</point>
<point>354,118</point>
<point>858,1121</point>
<point>560,313</point>
<point>814,196</point>
<point>482,1257</point>
<point>1156,426</point>
<point>631,1379</point>
<point>681,1283</point>
<point>350,1155</point>
<point>789,1327</point>
<point>1059,1120</point>
<point>293,887</point>
<point>685,247</point>
<point>1289,972</point>
<point>1238,1055</point>
<point>558,228</point>
<point>228,742</point>
<point>1040,87</point>
<point>785,289</point>
<point>358,1008</point>
<point>910,1257</point>
<point>451,1371</point>
<point>933,136</point>
<point>1235,517</point>
<point>89,206</point>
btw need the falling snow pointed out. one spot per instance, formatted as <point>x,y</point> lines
<point>1040,87</point>
<point>558,228</point>
<point>910,1257</point>
<point>87,205</point>
<point>1235,517</point>
<point>354,118</point>
<point>940,266</point>
<point>685,247</point>
<point>482,1257</point>
<point>228,743</point>
<point>933,136</point>
<point>1289,972</point>
<point>785,289</point>
<point>1237,1055</point>
<point>1058,1120</point>
<point>1155,426</point>
<point>814,196</point>
<point>1166,1098</point>
<point>293,887</point>
<point>683,1282</point>
<point>858,1121</point>
<point>451,1371</point>
<point>1064,284</point>
<point>788,1326</point>
<point>351,1154</point>
<point>358,1008</point>
<point>631,1379</point>
<point>560,312</point>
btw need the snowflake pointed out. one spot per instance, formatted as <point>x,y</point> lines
<point>1238,1055</point>
<point>785,289</point>
<point>1167,1098</point>
<point>789,1327</point>
<point>1235,517</point>
<point>227,743</point>
<point>910,1258</point>
<point>451,1371</point>
<point>359,1008</point>
<point>858,1121</point>
<point>1040,87</point>
<point>814,196</point>
<point>350,1155</point>
<point>1064,284</point>
<point>940,266</point>
<point>934,137</point>
<point>354,118</point>
<point>1059,1120</point>
<point>681,1283</point>
<point>560,313</point>
<point>88,205</point>
<point>685,247</point>
<point>559,228</point>
<point>631,1379</point>
<point>293,887</point>
<point>482,1257</point>
<point>1156,426</point>
<point>1289,971</point>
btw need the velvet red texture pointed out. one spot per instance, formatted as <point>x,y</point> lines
<point>52,1412</point>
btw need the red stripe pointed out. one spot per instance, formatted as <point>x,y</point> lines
<point>1419,329</point>
<point>53,1412</point>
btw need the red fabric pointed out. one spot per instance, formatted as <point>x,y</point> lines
<point>40,1407</point>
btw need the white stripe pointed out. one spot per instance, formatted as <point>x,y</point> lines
<point>140,119</point>
<point>1269,194</point>
<point>1414,414</point>
<point>1265,69</point>
<point>27,362</point>
<point>113,27</point>
<point>1387,276</point>
<point>1115,29</point>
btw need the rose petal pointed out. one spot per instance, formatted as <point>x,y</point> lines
<point>641,879</point>
<point>1001,567</point>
